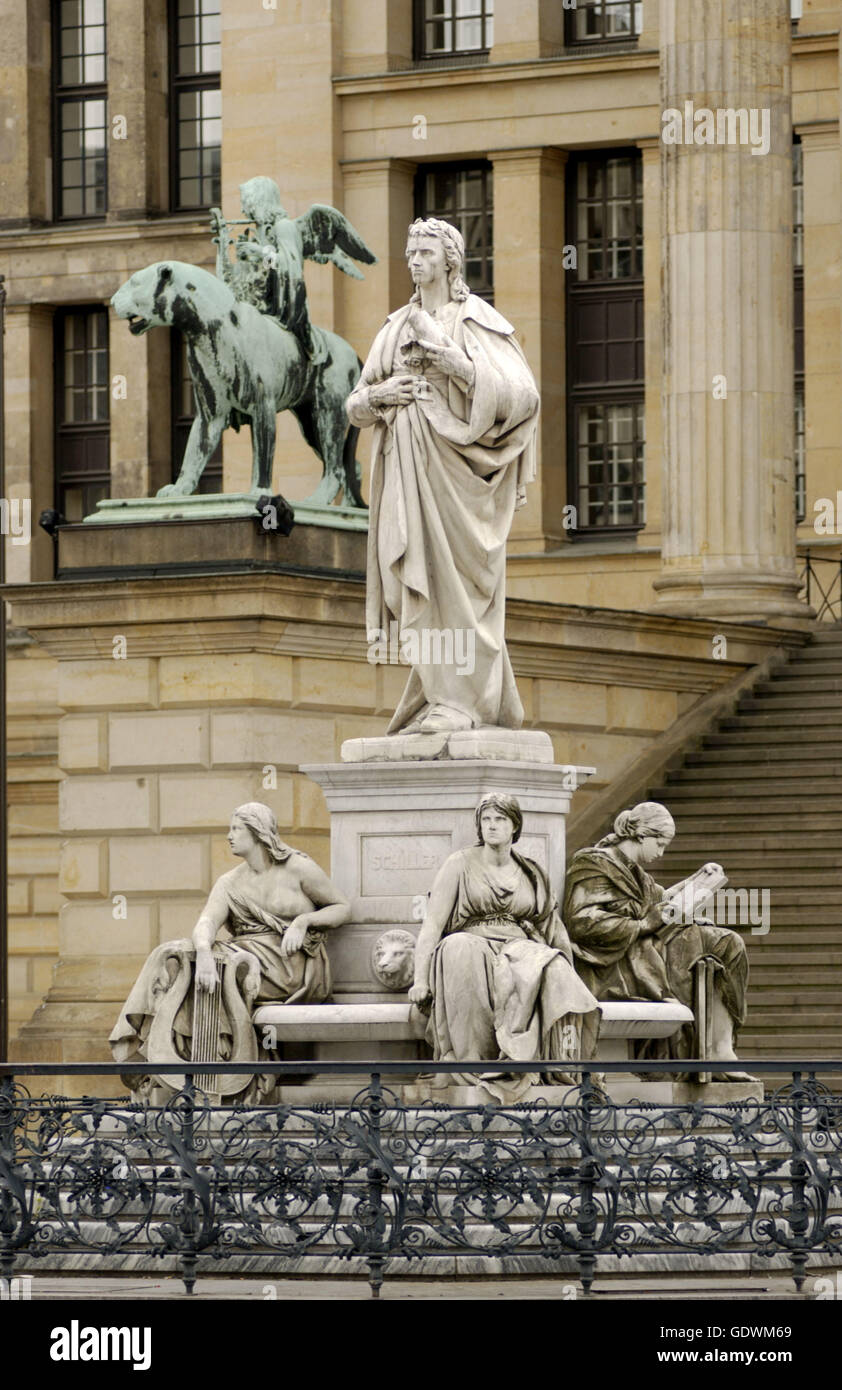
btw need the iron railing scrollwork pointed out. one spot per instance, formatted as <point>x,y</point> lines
<point>569,1179</point>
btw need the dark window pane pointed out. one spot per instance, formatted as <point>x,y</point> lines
<point>464,196</point>
<point>82,397</point>
<point>454,26</point>
<point>595,21</point>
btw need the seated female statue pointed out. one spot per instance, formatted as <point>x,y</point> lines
<point>494,962</point>
<point>276,907</point>
<point>629,945</point>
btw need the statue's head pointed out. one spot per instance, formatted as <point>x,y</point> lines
<point>429,231</point>
<point>260,199</point>
<point>258,823</point>
<point>488,814</point>
<point>648,825</point>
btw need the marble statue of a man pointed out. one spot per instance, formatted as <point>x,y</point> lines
<point>455,406</point>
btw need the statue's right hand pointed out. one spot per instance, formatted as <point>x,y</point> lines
<point>419,994</point>
<point>206,977</point>
<point>396,390</point>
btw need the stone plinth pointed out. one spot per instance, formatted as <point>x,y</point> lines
<point>392,825</point>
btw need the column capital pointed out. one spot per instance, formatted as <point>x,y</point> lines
<point>819,135</point>
<point>550,156</point>
<point>378,165</point>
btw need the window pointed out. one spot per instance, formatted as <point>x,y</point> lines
<point>605,363</point>
<point>462,194</point>
<point>79,108</point>
<point>604,21</point>
<point>195,104</point>
<point>445,28</point>
<point>183,413</point>
<point>82,411</point>
<point>798,325</point>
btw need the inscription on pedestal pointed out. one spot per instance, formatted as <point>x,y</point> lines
<point>395,865</point>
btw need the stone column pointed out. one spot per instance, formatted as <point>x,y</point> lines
<point>378,199</point>
<point>140,430</point>
<point>29,434</point>
<point>729,515</point>
<point>25,182</point>
<point>376,35</point>
<point>653,345</point>
<point>525,29</point>
<point>529,291</point>
<point>822,363</point>
<point>138,148</point>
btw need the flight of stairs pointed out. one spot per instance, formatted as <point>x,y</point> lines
<point>762,795</point>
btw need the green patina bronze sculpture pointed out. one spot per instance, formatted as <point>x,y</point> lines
<point>251,348</point>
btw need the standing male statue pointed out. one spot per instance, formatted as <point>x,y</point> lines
<point>455,407</point>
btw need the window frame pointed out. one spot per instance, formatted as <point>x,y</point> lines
<point>464,166</point>
<point>61,95</point>
<point>572,41</point>
<point>65,429</point>
<point>179,83</point>
<point>453,55</point>
<point>605,392</point>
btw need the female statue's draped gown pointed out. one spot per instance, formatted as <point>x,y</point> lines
<point>605,900</point>
<point>502,977</point>
<point>252,971</point>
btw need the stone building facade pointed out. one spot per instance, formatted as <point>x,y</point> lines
<point>679,305</point>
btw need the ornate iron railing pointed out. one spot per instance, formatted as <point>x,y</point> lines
<point>386,1182</point>
<point>822,588</point>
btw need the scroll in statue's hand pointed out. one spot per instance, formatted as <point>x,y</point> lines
<point>295,934</point>
<point>206,977</point>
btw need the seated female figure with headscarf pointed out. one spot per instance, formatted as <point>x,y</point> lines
<point>629,943</point>
<point>276,907</point>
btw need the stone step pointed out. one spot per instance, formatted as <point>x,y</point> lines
<point>735,733</point>
<point>773,704</point>
<point>734,756</point>
<point>823,772</point>
<point>827,662</point>
<point>754,843</point>
<point>802,856</point>
<point>726,822</point>
<point>792,720</point>
<point>827,795</point>
<point>792,682</point>
<point>801,996</point>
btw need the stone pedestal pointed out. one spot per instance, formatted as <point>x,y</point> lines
<point>392,825</point>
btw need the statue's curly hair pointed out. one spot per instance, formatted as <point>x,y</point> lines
<point>454,253</point>
<point>635,823</point>
<point>506,805</point>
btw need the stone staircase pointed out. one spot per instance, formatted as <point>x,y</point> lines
<point>763,796</point>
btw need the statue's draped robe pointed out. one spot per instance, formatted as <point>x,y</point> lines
<point>444,475</point>
<point>502,978</point>
<point>606,900</point>
<point>251,968</point>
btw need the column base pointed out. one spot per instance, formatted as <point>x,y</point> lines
<point>736,594</point>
